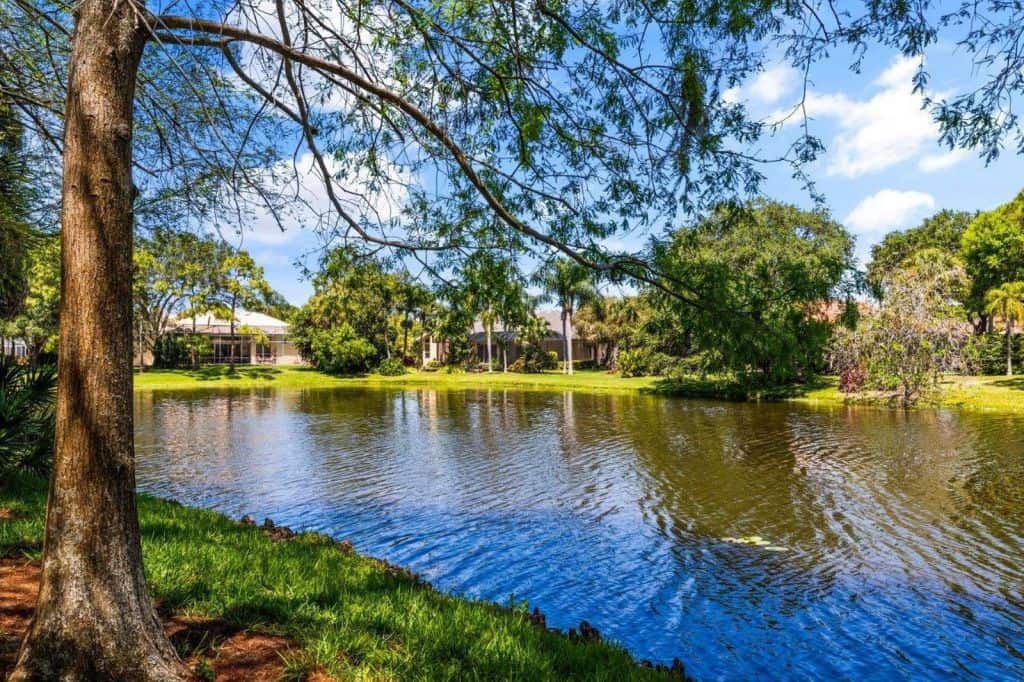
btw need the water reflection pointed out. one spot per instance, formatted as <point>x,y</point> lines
<point>890,542</point>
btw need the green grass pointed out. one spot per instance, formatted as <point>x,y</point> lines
<point>304,377</point>
<point>351,615</point>
<point>974,393</point>
<point>993,393</point>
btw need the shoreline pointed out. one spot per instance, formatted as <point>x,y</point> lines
<point>340,613</point>
<point>982,394</point>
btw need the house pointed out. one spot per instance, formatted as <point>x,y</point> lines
<point>15,348</point>
<point>436,349</point>
<point>258,339</point>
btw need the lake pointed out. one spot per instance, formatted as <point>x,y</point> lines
<point>772,540</point>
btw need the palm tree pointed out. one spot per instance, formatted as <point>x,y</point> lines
<point>488,316</point>
<point>26,416</point>
<point>1006,302</point>
<point>570,285</point>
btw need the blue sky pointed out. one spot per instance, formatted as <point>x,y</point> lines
<point>883,168</point>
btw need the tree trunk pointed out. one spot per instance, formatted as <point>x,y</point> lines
<point>405,337</point>
<point>567,325</point>
<point>194,352</point>
<point>565,345</point>
<point>488,330</point>
<point>1009,348</point>
<point>234,341</point>
<point>94,619</point>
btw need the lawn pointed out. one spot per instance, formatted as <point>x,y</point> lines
<point>991,393</point>
<point>350,616</point>
<point>305,377</point>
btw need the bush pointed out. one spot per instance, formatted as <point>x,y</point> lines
<point>341,351</point>
<point>641,362</point>
<point>171,351</point>
<point>26,416</point>
<point>852,379</point>
<point>533,360</point>
<point>391,367</point>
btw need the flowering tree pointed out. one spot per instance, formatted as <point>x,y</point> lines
<point>917,333</point>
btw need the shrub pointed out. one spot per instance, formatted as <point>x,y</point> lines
<point>341,351</point>
<point>391,367</point>
<point>26,416</point>
<point>640,362</point>
<point>171,351</point>
<point>852,378</point>
<point>534,359</point>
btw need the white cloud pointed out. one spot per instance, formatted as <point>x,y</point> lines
<point>887,210</point>
<point>888,127</point>
<point>937,162</point>
<point>767,87</point>
<point>772,84</point>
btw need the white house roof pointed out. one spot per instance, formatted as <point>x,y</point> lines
<point>211,324</point>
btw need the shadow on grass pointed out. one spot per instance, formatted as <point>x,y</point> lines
<point>222,372</point>
<point>1013,383</point>
<point>728,388</point>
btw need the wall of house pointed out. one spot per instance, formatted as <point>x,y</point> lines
<point>433,351</point>
<point>580,349</point>
<point>15,348</point>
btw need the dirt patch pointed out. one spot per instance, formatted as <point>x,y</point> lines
<point>19,584</point>
<point>211,648</point>
<point>6,514</point>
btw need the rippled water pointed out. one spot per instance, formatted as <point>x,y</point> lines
<point>895,538</point>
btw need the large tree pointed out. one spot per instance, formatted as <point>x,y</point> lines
<point>942,231</point>
<point>993,251</point>
<point>916,333</point>
<point>357,303</point>
<point>762,278</point>
<point>562,122</point>
<point>174,272</point>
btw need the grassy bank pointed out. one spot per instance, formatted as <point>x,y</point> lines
<point>351,617</point>
<point>975,393</point>
<point>304,377</point>
<point>993,393</point>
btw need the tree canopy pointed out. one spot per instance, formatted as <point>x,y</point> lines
<point>942,231</point>
<point>993,250</point>
<point>761,279</point>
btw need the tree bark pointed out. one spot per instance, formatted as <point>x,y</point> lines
<point>1009,348</point>
<point>94,619</point>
